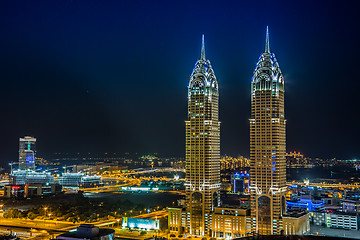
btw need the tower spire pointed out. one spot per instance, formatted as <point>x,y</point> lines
<point>267,44</point>
<point>203,48</point>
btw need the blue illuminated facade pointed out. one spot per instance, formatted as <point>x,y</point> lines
<point>239,182</point>
<point>140,223</point>
<point>27,153</point>
<point>306,204</point>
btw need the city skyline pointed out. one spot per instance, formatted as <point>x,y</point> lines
<point>76,100</point>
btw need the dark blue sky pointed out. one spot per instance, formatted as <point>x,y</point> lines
<point>96,76</point>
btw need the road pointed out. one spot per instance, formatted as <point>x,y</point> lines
<point>39,229</point>
<point>154,215</point>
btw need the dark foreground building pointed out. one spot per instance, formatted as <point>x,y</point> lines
<point>88,232</point>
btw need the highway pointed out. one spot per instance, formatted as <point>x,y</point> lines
<point>45,229</point>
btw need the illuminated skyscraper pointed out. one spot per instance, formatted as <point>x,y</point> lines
<point>202,147</point>
<point>267,145</point>
<point>27,152</point>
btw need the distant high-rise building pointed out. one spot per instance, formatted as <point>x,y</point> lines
<point>27,152</point>
<point>267,145</point>
<point>202,147</point>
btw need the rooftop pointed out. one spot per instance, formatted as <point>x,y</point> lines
<point>87,231</point>
<point>295,214</point>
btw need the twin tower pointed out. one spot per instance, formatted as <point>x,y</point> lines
<point>267,148</point>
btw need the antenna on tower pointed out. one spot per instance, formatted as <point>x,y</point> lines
<point>203,48</point>
<point>267,44</point>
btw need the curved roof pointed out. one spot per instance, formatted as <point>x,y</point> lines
<point>203,70</point>
<point>268,64</point>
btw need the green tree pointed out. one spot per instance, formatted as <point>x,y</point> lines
<point>13,213</point>
<point>31,215</point>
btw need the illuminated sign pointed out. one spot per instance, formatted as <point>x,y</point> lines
<point>141,223</point>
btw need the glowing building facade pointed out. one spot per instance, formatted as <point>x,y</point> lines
<point>202,147</point>
<point>267,146</point>
<point>202,215</point>
<point>27,152</point>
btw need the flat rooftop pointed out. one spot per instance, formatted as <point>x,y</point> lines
<point>80,235</point>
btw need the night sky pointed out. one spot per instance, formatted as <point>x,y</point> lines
<point>111,76</point>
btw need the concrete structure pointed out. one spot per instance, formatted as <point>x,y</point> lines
<point>296,223</point>
<point>88,232</point>
<point>79,180</point>
<point>229,222</point>
<point>22,177</point>
<point>176,220</point>
<point>345,221</point>
<point>240,182</point>
<point>70,179</point>
<point>306,204</point>
<point>27,152</point>
<point>349,221</point>
<point>31,190</point>
<point>202,147</point>
<point>267,146</point>
<point>350,205</point>
<point>15,191</point>
<point>91,181</point>
<point>318,218</point>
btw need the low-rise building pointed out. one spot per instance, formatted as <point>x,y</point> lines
<point>350,205</point>
<point>71,179</point>
<point>31,190</point>
<point>342,220</point>
<point>229,222</point>
<point>79,180</point>
<point>22,177</point>
<point>91,181</point>
<point>296,222</point>
<point>318,218</point>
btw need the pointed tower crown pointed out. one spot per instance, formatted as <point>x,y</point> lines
<point>267,74</point>
<point>203,70</point>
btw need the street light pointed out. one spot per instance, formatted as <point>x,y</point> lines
<point>45,208</point>
<point>118,222</point>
